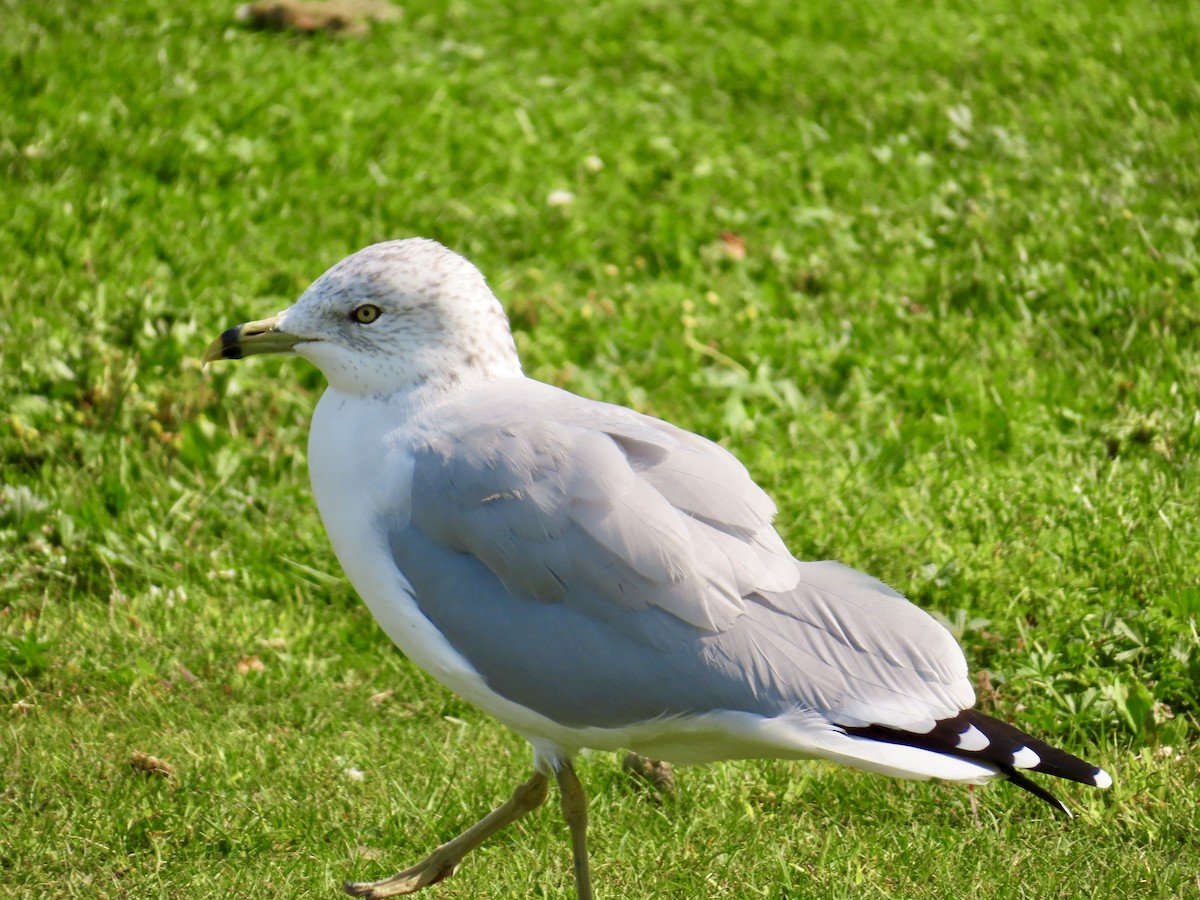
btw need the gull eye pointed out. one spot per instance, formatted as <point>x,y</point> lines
<point>365,314</point>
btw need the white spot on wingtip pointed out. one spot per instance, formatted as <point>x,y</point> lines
<point>1102,779</point>
<point>1024,758</point>
<point>973,740</point>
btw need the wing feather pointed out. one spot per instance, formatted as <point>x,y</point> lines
<point>552,491</point>
<point>655,545</point>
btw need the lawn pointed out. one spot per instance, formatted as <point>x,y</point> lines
<point>928,270</point>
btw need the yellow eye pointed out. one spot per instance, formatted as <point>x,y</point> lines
<point>366,314</point>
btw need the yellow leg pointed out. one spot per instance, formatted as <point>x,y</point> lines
<point>574,806</point>
<point>442,862</point>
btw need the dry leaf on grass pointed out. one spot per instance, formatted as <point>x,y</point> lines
<point>350,16</point>
<point>734,245</point>
<point>653,774</point>
<point>150,765</point>
<point>249,664</point>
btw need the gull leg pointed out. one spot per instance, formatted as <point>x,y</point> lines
<point>574,806</point>
<point>442,862</point>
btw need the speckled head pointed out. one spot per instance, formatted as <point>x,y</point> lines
<point>390,318</point>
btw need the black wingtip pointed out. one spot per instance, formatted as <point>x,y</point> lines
<point>1037,790</point>
<point>982,738</point>
<point>1023,751</point>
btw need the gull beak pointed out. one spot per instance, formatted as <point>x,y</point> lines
<point>264,336</point>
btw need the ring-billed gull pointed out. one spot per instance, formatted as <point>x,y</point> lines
<point>594,577</point>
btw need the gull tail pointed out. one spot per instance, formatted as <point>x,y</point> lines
<point>981,738</point>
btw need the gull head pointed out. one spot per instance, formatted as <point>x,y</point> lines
<point>388,319</point>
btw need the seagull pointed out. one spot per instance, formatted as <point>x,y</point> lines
<point>593,577</point>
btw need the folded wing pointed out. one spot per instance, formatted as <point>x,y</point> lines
<point>601,545</point>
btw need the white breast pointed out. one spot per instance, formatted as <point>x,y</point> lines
<point>361,475</point>
<point>361,478</point>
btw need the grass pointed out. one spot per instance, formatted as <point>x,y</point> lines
<point>929,271</point>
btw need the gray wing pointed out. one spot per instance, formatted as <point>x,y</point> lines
<point>594,506</point>
<point>605,568</point>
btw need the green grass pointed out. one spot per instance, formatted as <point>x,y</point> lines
<point>960,351</point>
